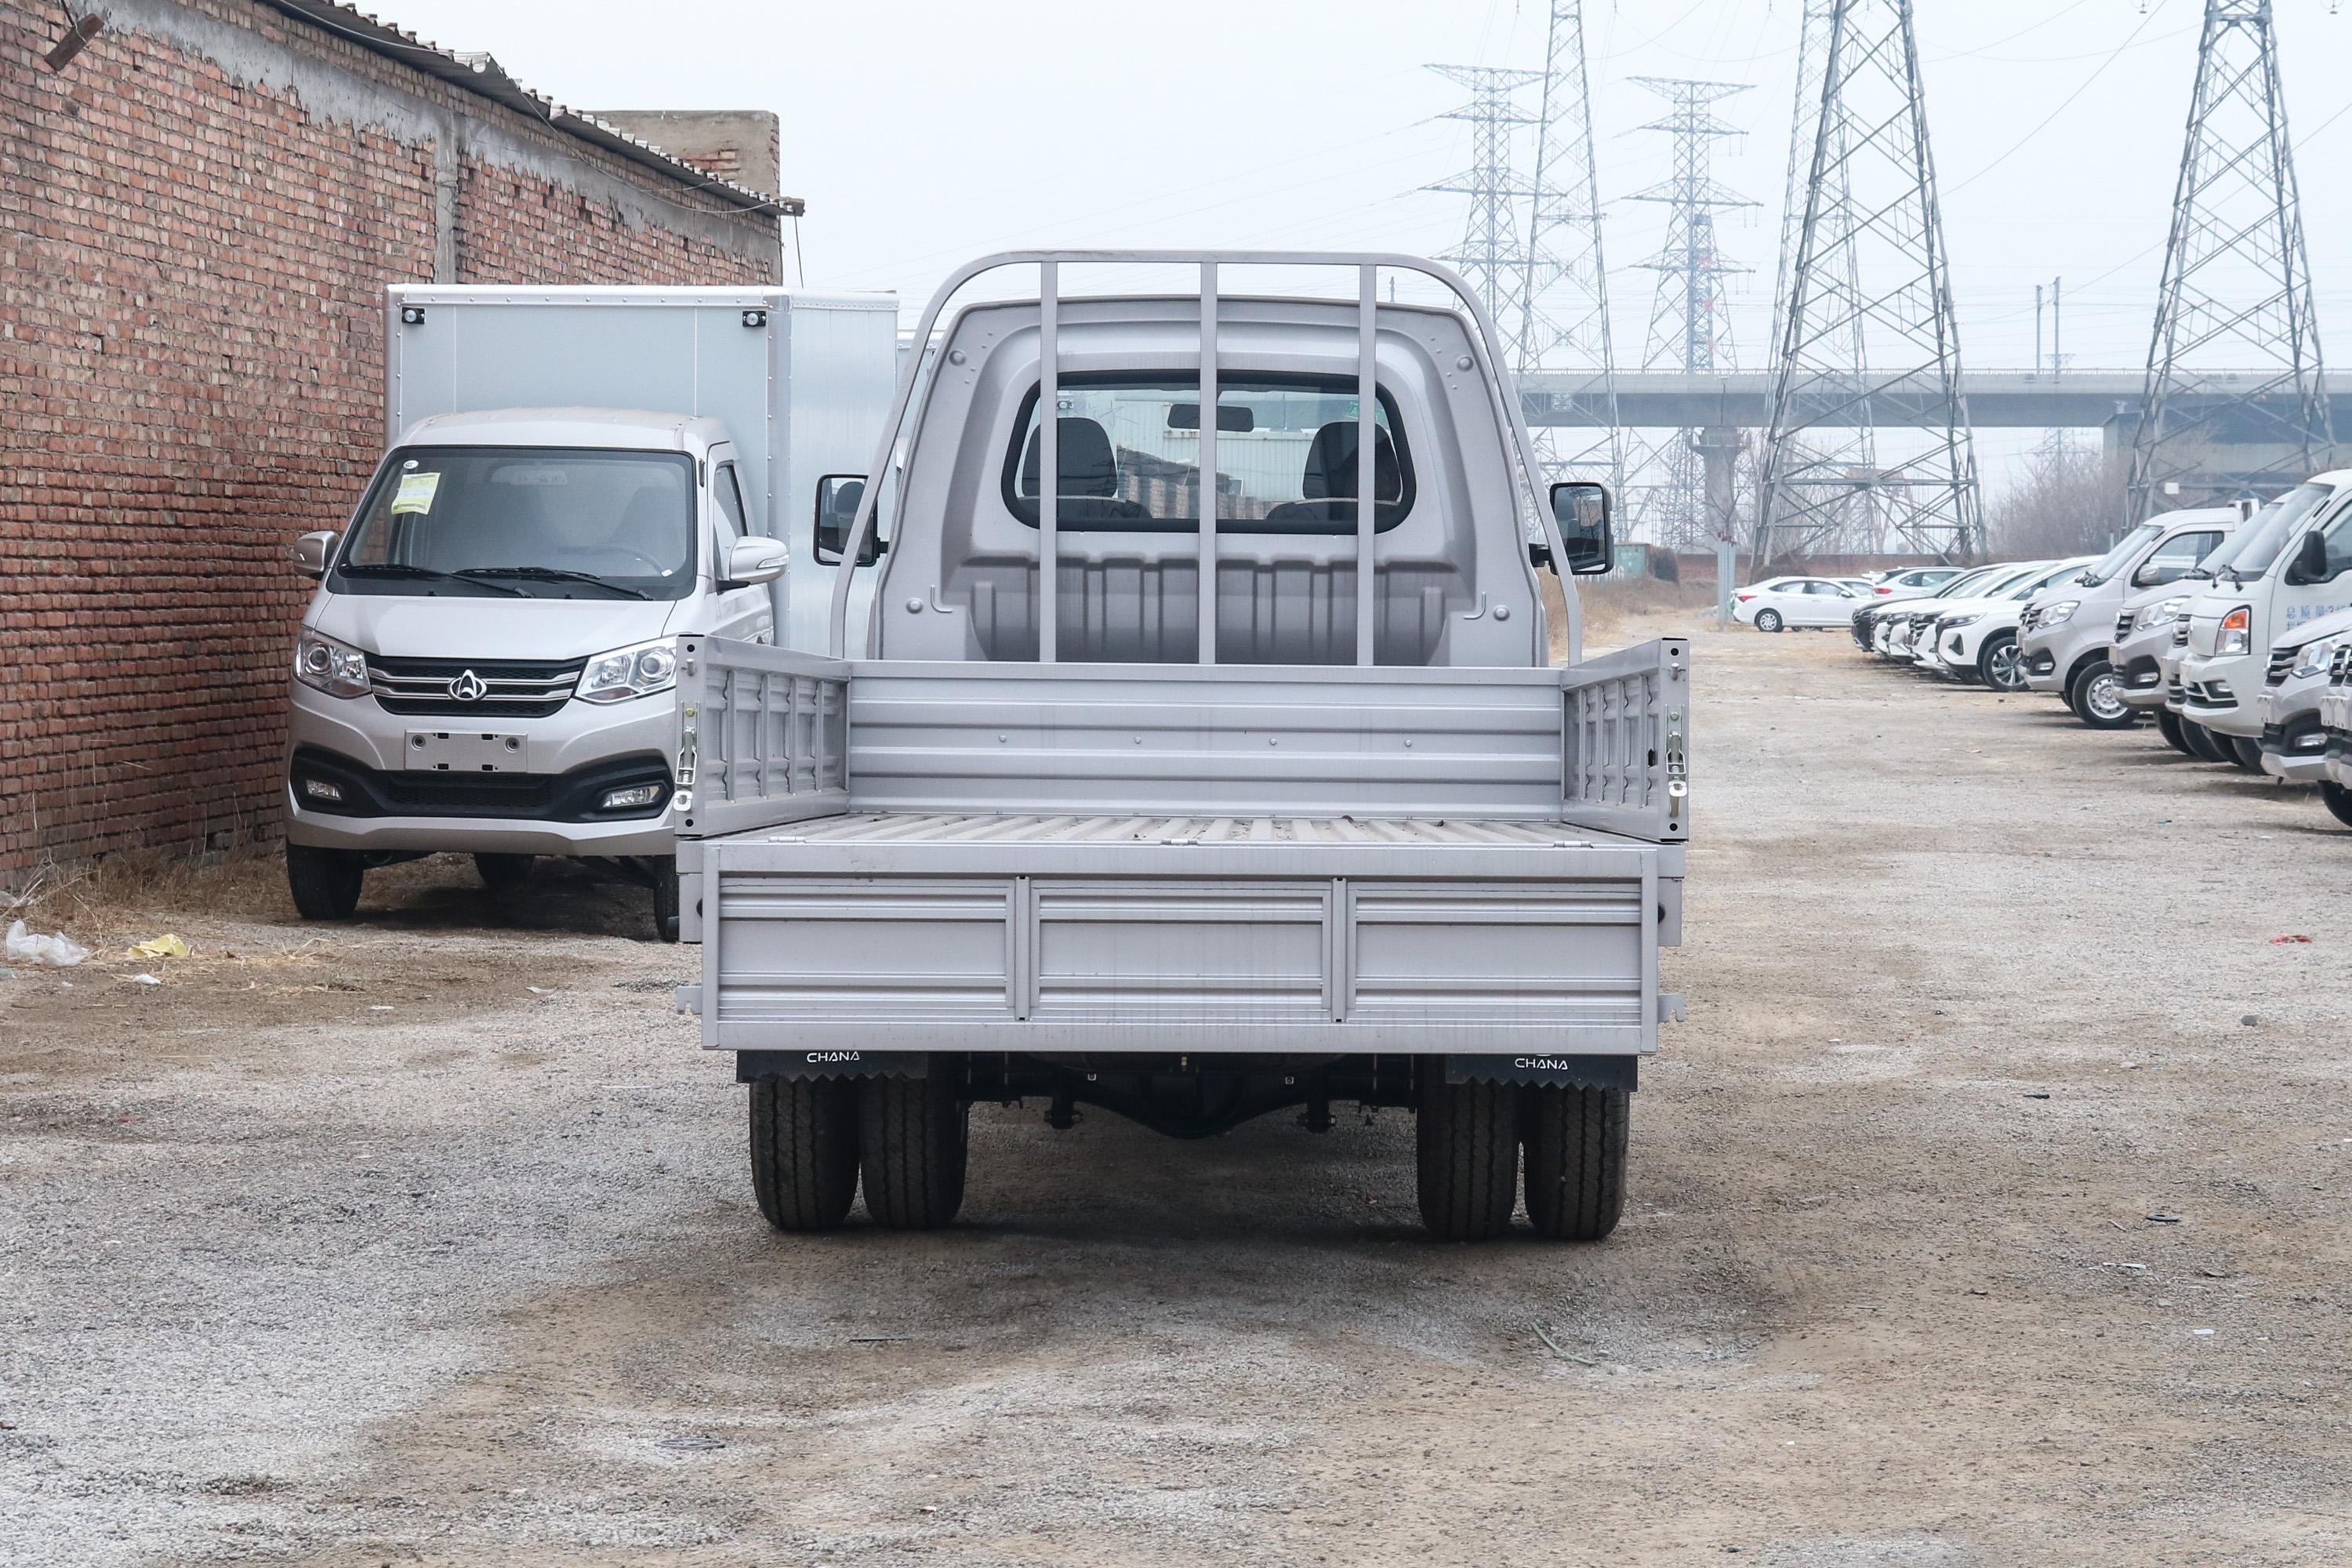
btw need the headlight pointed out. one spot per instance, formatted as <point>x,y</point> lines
<point>1956,622</point>
<point>638,671</point>
<point>2059,613</point>
<point>329,667</point>
<point>2237,632</point>
<point>2159,614</point>
<point>2314,657</point>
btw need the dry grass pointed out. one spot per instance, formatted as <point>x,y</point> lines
<point>248,882</point>
<point>1612,606</point>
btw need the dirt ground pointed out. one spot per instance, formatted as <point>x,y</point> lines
<point>429,1239</point>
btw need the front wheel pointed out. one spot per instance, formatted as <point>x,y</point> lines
<point>325,882</point>
<point>804,1151</point>
<point>1768,620</point>
<point>663,871</point>
<point>913,1142</point>
<point>2096,695</point>
<point>501,871</point>
<point>1467,1151</point>
<point>2247,754</point>
<point>2175,736</point>
<point>2203,743</point>
<point>2339,801</point>
<point>1576,1160</point>
<point>1999,663</point>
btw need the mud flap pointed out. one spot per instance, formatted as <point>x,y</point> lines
<point>1570,1071</point>
<point>751,1066</point>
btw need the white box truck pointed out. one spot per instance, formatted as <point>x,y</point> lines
<point>575,479</point>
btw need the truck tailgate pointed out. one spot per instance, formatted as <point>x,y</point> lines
<point>1207,935</point>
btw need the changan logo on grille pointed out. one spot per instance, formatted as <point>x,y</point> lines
<point>469,688</point>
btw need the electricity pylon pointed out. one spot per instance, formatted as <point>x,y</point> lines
<point>1689,328</point>
<point>1867,332</point>
<point>2236,293</point>
<point>1494,254</point>
<point>1564,292</point>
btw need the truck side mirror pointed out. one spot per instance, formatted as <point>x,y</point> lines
<point>1582,510</point>
<point>2310,559</point>
<point>750,561</point>
<point>838,499</point>
<point>313,550</point>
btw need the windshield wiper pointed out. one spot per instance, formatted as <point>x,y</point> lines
<point>549,574</point>
<point>423,574</point>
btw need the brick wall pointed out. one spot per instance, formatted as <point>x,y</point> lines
<point>192,267</point>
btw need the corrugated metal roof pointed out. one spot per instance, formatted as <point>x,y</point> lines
<point>945,827</point>
<point>480,74</point>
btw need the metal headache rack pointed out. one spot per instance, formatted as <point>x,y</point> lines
<point>1528,477</point>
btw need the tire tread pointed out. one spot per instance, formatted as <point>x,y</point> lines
<point>1468,1155</point>
<point>913,1149</point>
<point>804,1151</point>
<point>1577,1141</point>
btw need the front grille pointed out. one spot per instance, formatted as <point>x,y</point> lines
<point>575,796</point>
<point>2124,626</point>
<point>2340,668</point>
<point>513,688</point>
<point>2282,662</point>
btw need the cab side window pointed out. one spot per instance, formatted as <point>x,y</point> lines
<point>2174,557</point>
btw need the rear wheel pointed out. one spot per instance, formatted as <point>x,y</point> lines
<point>2096,695</point>
<point>1999,663</point>
<point>912,1139</point>
<point>1467,1141</point>
<point>804,1151</point>
<point>2169,723</point>
<point>665,882</point>
<point>1768,620</point>
<point>2339,801</point>
<point>1576,1160</point>
<point>325,882</point>
<point>2247,754</point>
<point>499,871</point>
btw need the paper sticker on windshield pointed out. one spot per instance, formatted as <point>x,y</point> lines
<point>416,493</point>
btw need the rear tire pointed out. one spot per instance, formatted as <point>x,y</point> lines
<point>325,882</point>
<point>1467,1141</point>
<point>2339,801</point>
<point>2247,754</point>
<point>2169,722</point>
<point>665,875</point>
<point>804,1151</point>
<point>1576,1160</point>
<point>499,872</point>
<point>913,1144</point>
<point>2096,695</point>
<point>1768,620</point>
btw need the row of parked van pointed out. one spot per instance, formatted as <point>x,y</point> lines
<point>2231,626</point>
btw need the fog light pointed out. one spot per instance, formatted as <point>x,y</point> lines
<point>636,795</point>
<point>2317,741</point>
<point>320,789</point>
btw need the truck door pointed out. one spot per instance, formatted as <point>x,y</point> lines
<point>2316,579</point>
<point>746,613</point>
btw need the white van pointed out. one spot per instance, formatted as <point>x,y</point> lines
<point>2065,634</point>
<point>2293,565</point>
<point>576,478</point>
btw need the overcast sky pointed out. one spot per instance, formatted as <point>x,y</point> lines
<point>922,133</point>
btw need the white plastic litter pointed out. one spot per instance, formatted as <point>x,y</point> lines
<point>57,952</point>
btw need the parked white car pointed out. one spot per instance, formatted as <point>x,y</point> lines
<point>1908,625</point>
<point>1779,603</point>
<point>1976,639</point>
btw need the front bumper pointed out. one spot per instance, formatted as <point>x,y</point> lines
<point>2221,691</point>
<point>2048,654</point>
<point>552,807</point>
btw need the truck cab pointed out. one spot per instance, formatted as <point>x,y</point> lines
<point>2064,636</point>
<point>2292,564</point>
<point>488,665</point>
<point>1219,741</point>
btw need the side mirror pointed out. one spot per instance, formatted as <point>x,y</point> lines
<point>1582,510</point>
<point>2310,559</point>
<point>838,499</point>
<point>2155,576</point>
<point>750,561</point>
<point>313,550</point>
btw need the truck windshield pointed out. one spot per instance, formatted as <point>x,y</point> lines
<point>549,523</point>
<point>2115,560</point>
<point>1130,456</point>
<point>2258,543</point>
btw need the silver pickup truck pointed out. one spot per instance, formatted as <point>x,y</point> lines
<point>1350,834</point>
